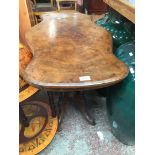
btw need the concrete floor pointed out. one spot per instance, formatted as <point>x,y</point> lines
<point>79,138</point>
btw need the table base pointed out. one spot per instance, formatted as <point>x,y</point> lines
<point>58,101</point>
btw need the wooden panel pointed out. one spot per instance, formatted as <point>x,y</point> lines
<point>97,7</point>
<point>24,20</point>
<point>123,7</point>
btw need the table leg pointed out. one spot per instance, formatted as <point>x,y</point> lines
<point>56,101</point>
<point>52,103</point>
<point>60,107</point>
<point>82,106</point>
<point>22,117</point>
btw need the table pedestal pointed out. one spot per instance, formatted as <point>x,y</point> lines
<point>58,100</point>
<point>81,104</point>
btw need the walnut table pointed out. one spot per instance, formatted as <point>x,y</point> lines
<point>71,53</point>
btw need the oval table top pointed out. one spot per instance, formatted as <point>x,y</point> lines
<point>72,53</point>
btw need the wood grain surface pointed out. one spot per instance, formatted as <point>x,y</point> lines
<point>68,46</point>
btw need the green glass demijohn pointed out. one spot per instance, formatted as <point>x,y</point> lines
<point>121,98</point>
<point>120,28</point>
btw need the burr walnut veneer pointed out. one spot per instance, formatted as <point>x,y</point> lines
<point>71,53</point>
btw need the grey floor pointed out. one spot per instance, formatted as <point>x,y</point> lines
<point>79,138</point>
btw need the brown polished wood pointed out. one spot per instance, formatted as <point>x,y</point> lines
<point>67,46</point>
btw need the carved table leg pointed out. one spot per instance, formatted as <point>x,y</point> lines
<point>22,117</point>
<point>60,107</point>
<point>56,101</point>
<point>82,105</point>
<point>52,103</point>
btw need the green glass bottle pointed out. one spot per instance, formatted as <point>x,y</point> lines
<point>121,98</point>
<point>121,29</point>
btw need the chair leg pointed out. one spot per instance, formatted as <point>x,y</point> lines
<point>58,6</point>
<point>75,6</point>
<point>52,3</point>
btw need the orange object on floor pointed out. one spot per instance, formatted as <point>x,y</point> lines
<point>41,130</point>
